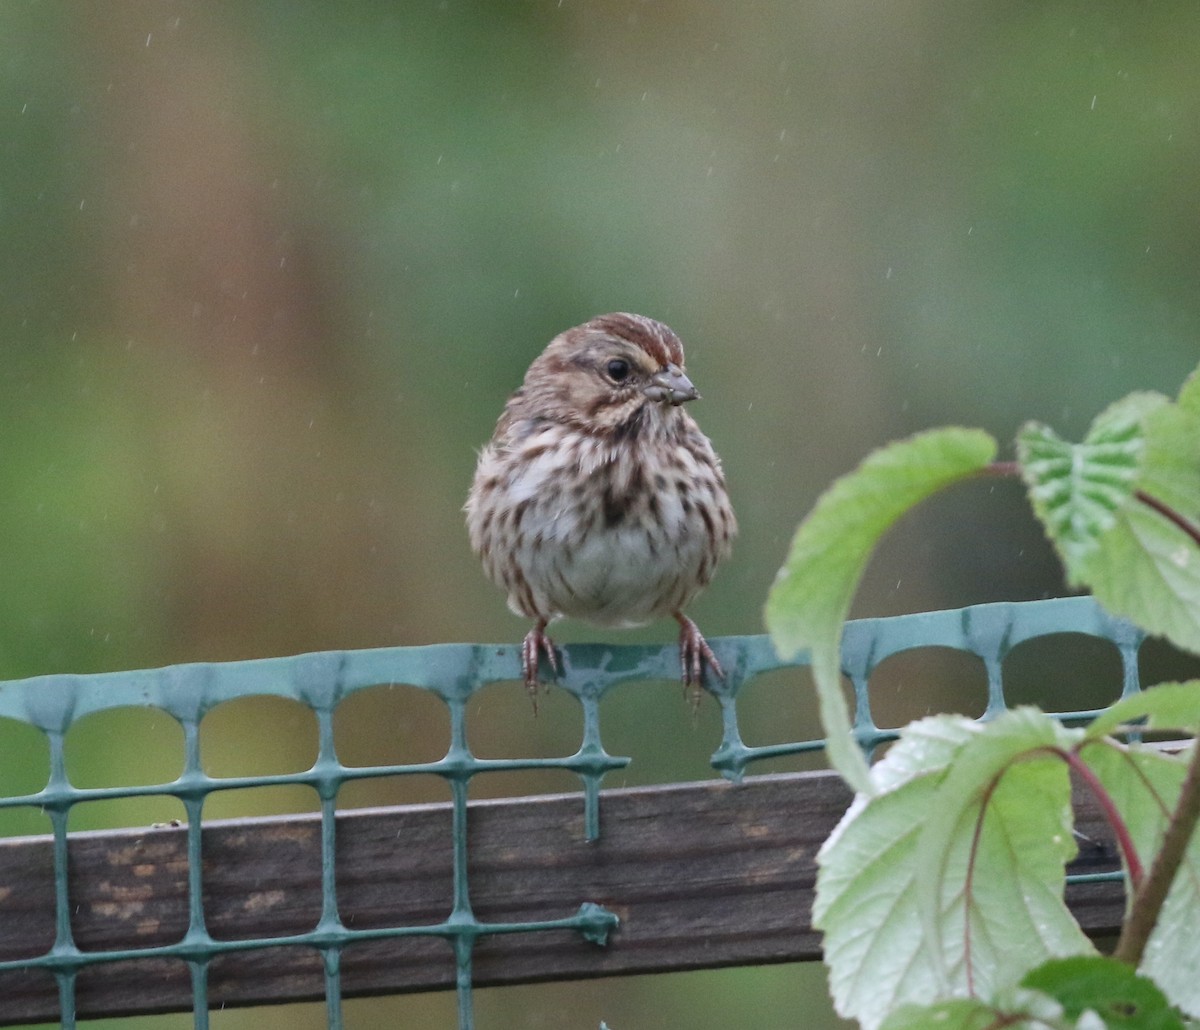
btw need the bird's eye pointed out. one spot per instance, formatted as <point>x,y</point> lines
<point>618,370</point>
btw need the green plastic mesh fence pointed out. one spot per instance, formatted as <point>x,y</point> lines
<point>454,672</point>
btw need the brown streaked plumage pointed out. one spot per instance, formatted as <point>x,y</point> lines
<point>598,497</point>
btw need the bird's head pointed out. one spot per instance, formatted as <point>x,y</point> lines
<point>615,373</point>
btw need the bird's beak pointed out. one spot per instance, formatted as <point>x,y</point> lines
<point>671,385</point>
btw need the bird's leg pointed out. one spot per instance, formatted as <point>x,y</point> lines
<point>693,653</point>
<point>536,643</point>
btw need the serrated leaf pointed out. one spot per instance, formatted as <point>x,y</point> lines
<point>1078,490</point>
<point>1144,785</point>
<point>866,905</point>
<point>1162,591</point>
<point>811,596</point>
<point>891,883</point>
<point>1172,954</point>
<point>1148,570</point>
<point>1167,706</point>
<point>927,745</point>
<point>1094,500</point>
<point>1117,994</point>
<point>1024,845</point>
<point>1171,464</point>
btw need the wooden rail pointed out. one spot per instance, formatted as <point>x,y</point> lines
<point>701,874</point>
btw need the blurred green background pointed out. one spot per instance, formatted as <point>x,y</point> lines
<point>270,269</point>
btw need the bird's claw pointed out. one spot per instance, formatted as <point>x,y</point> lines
<point>693,653</point>
<point>535,645</point>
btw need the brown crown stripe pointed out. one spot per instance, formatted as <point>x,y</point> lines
<point>655,338</point>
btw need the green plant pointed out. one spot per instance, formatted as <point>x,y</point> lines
<point>940,893</point>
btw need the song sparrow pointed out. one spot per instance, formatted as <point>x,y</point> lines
<point>598,497</point>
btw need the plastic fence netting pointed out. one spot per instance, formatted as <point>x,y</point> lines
<point>454,673</point>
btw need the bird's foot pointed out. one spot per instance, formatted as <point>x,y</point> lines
<point>535,645</point>
<point>693,653</point>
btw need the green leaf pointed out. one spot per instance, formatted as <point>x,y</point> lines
<point>1149,571</point>
<point>1172,956</point>
<point>925,746</point>
<point>1118,995</point>
<point>895,865</point>
<point>958,1014</point>
<point>866,904</point>
<point>1171,465</point>
<point>1078,490</point>
<point>834,542</point>
<point>1095,500</point>
<point>1063,994</point>
<point>1144,785</point>
<point>1189,393</point>
<point>1012,778</point>
<point>811,595</point>
<point>1167,706</point>
<point>1030,1012</point>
